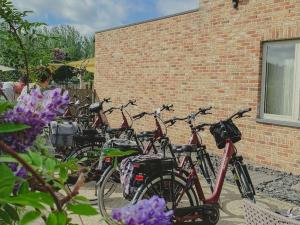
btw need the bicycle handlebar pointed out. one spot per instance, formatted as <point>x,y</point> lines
<point>240,113</point>
<point>110,110</point>
<point>106,100</point>
<point>167,107</point>
<point>236,115</point>
<point>139,116</point>
<point>162,108</point>
<point>202,111</point>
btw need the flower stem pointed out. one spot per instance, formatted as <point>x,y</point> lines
<point>4,147</point>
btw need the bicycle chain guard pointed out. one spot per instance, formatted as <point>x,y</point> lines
<point>209,214</point>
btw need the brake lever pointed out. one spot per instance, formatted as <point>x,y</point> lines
<point>132,102</point>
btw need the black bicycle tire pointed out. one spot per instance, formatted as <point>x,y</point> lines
<point>141,190</point>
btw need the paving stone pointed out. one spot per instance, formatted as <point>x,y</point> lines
<point>296,187</point>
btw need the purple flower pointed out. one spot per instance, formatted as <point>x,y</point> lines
<point>145,212</point>
<point>58,54</point>
<point>36,110</point>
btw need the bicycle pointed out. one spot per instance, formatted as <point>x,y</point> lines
<point>184,194</point>
<point>109,189</point>
<point>90,144</point>
<point>203,158</point>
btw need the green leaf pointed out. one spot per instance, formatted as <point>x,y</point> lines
<point>80,198</point>
<point>82,209</point>
<point>23,202</point>
<point>8,159</point>
<point>24,188</point>
<point>61,218</point>
<point>36,158</point>
<point>26,157</point>
<point>4,106</point>
<point>115,152</point>
<point>12,127</point>
<point>12,212</point>
<point>5,217</point>
<point>50,164</point>
<point>51,220</point>
<point>63,174</point>
<point>7,180</point>
<point>39,197</point>
<point>58,185</point>
<point>29,217</point>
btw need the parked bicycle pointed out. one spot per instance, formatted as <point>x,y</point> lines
<point>184,194</point>
<point>109,188</point>
<point>91,141</point>
<point>203,157</point>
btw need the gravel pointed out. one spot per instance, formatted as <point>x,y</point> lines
<point>277,184</point>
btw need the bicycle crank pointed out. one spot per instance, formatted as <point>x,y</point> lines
<point>208,215</point>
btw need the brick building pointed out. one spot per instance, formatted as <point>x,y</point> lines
<point>216,55</point>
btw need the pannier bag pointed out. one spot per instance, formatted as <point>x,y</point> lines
<point>223,130</point>
<point>148,165</point>
<point>61,134</point>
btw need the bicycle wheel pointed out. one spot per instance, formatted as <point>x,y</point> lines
<point>171,188</point>
<point>110,192</point>
<point>87,157</point>
<point>243,181</point>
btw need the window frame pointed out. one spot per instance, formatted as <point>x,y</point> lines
<point>293,120</point>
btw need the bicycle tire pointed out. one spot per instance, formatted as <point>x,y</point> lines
<point>191,197</point>
<point>88,189</point>
<point>110,193</point>
<point>244,183</point>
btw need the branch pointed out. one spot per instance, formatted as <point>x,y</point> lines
<point>19,40</point>
<point>80,181</point>
<point>4,147</point>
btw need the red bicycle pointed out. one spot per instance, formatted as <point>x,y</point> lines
<point>109,188</point>
<point>203,157</point>
<point>185,194</point>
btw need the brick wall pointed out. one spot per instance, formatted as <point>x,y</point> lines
<point>207,57</point>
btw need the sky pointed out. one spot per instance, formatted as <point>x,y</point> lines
<point>89,16</point>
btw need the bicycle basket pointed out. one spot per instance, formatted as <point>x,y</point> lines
<point>145,165</point>
<point>223,130</point>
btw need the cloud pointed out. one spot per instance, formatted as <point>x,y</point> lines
<point>93,15</point>
<point>89,15</point>
<point>167,7</point>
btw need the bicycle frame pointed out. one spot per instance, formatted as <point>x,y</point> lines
<point>229,151</point>
<point>158,135</point>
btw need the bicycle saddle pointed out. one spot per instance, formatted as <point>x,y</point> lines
<point>114,130</point>
<point>146,134</point>
<point>95,107</point>
<point>184,148</point>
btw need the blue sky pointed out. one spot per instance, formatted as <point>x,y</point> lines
<point>89,16</point>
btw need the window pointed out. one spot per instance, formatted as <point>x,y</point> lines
<point>281,81</point>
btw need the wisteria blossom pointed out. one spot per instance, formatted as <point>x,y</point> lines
<point>144,212</point>
<point>35,109</point>
<point>58,54</point>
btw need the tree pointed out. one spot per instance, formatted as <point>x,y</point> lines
<point>26,46</point>
<point>18,34</point>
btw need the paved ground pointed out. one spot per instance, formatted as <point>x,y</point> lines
<point>231,212</point>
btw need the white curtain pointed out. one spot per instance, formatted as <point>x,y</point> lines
<point>279,89</point>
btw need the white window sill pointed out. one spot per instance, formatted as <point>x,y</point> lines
<point>279,122</point>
